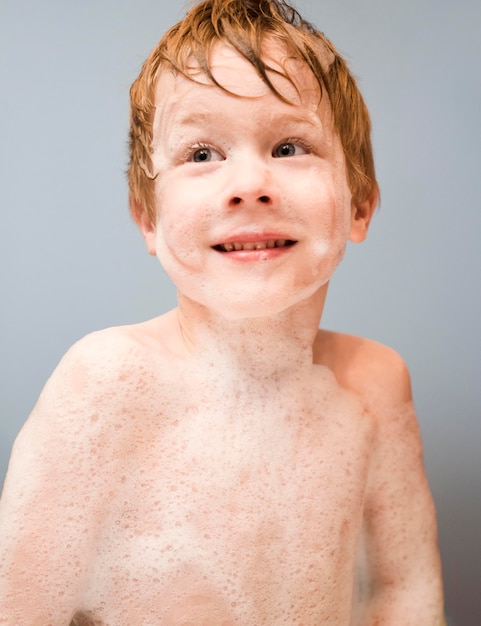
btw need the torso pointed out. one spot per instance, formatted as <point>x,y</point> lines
<point>229,506</point>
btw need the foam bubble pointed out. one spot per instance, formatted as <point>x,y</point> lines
<point>228,495</point>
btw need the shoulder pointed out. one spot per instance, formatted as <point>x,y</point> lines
<point>104,375</point>
<point>99,392</point>
<point>113,345</point>
<point>367,368</point>
<point>98,357</point>
<point>111,356</point>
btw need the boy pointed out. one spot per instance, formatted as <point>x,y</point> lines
<point>228,463</point>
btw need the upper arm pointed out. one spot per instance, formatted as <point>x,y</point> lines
<point>400,521</point>
<point>51,505</point>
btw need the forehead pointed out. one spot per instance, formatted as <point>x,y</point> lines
<point>289,75</point>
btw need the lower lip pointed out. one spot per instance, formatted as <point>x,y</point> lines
<point>266,254</point>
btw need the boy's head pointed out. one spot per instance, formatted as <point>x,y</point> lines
<point>246,25</point>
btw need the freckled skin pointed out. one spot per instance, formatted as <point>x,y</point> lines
<point>228,464</point>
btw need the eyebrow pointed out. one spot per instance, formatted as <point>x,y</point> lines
<point>193,119</point>
<point>196,118</point>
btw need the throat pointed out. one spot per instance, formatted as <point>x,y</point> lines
<point>259,348</point>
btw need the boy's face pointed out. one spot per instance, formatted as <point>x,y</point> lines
<point>254,209</point>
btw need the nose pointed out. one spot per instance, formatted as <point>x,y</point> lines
<point>251,185</point>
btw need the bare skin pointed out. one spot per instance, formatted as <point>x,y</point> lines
<point>228,464</point>
<point>233,499</point>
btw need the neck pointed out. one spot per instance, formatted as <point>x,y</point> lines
<point>259,347</point>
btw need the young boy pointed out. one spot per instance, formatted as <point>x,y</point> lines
<point>229,464</point>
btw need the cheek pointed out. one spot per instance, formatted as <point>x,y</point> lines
<point>181,231</point>
<point>331,216</point>
<point>176,244</point>
<point>331,227</point>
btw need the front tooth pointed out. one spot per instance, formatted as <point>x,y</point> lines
<point>238,246</point>
<point>228,247</point>
<point>280,243</point>
<point>271,243</point>
<point>249,246</point>
<point>261,246</point>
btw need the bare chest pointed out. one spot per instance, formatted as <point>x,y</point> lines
<point>246,513</point>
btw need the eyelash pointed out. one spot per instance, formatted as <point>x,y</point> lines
<point>296,141</point>
<point>189,154</point>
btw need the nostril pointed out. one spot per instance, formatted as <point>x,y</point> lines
<point>236,200</point>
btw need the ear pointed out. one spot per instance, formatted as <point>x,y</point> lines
<point>361,214</point>
<point>145,224</point>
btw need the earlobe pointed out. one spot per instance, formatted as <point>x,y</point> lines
<point>145,224</point>
<point>361,214</point>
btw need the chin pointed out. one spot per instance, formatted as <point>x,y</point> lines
<point>255,306</point>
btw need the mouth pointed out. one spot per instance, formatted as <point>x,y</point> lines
<point>236,246</point>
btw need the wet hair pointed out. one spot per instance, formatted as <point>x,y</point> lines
<point>244,25</point>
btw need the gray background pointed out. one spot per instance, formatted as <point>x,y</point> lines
<point>72,262</point>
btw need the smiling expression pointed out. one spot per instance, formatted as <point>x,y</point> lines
<point>254,209</point>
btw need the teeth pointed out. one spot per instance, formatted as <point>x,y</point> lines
<point>260,245</point>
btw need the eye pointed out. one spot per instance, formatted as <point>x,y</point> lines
<point>204,154</point>
<point>289,149</point>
